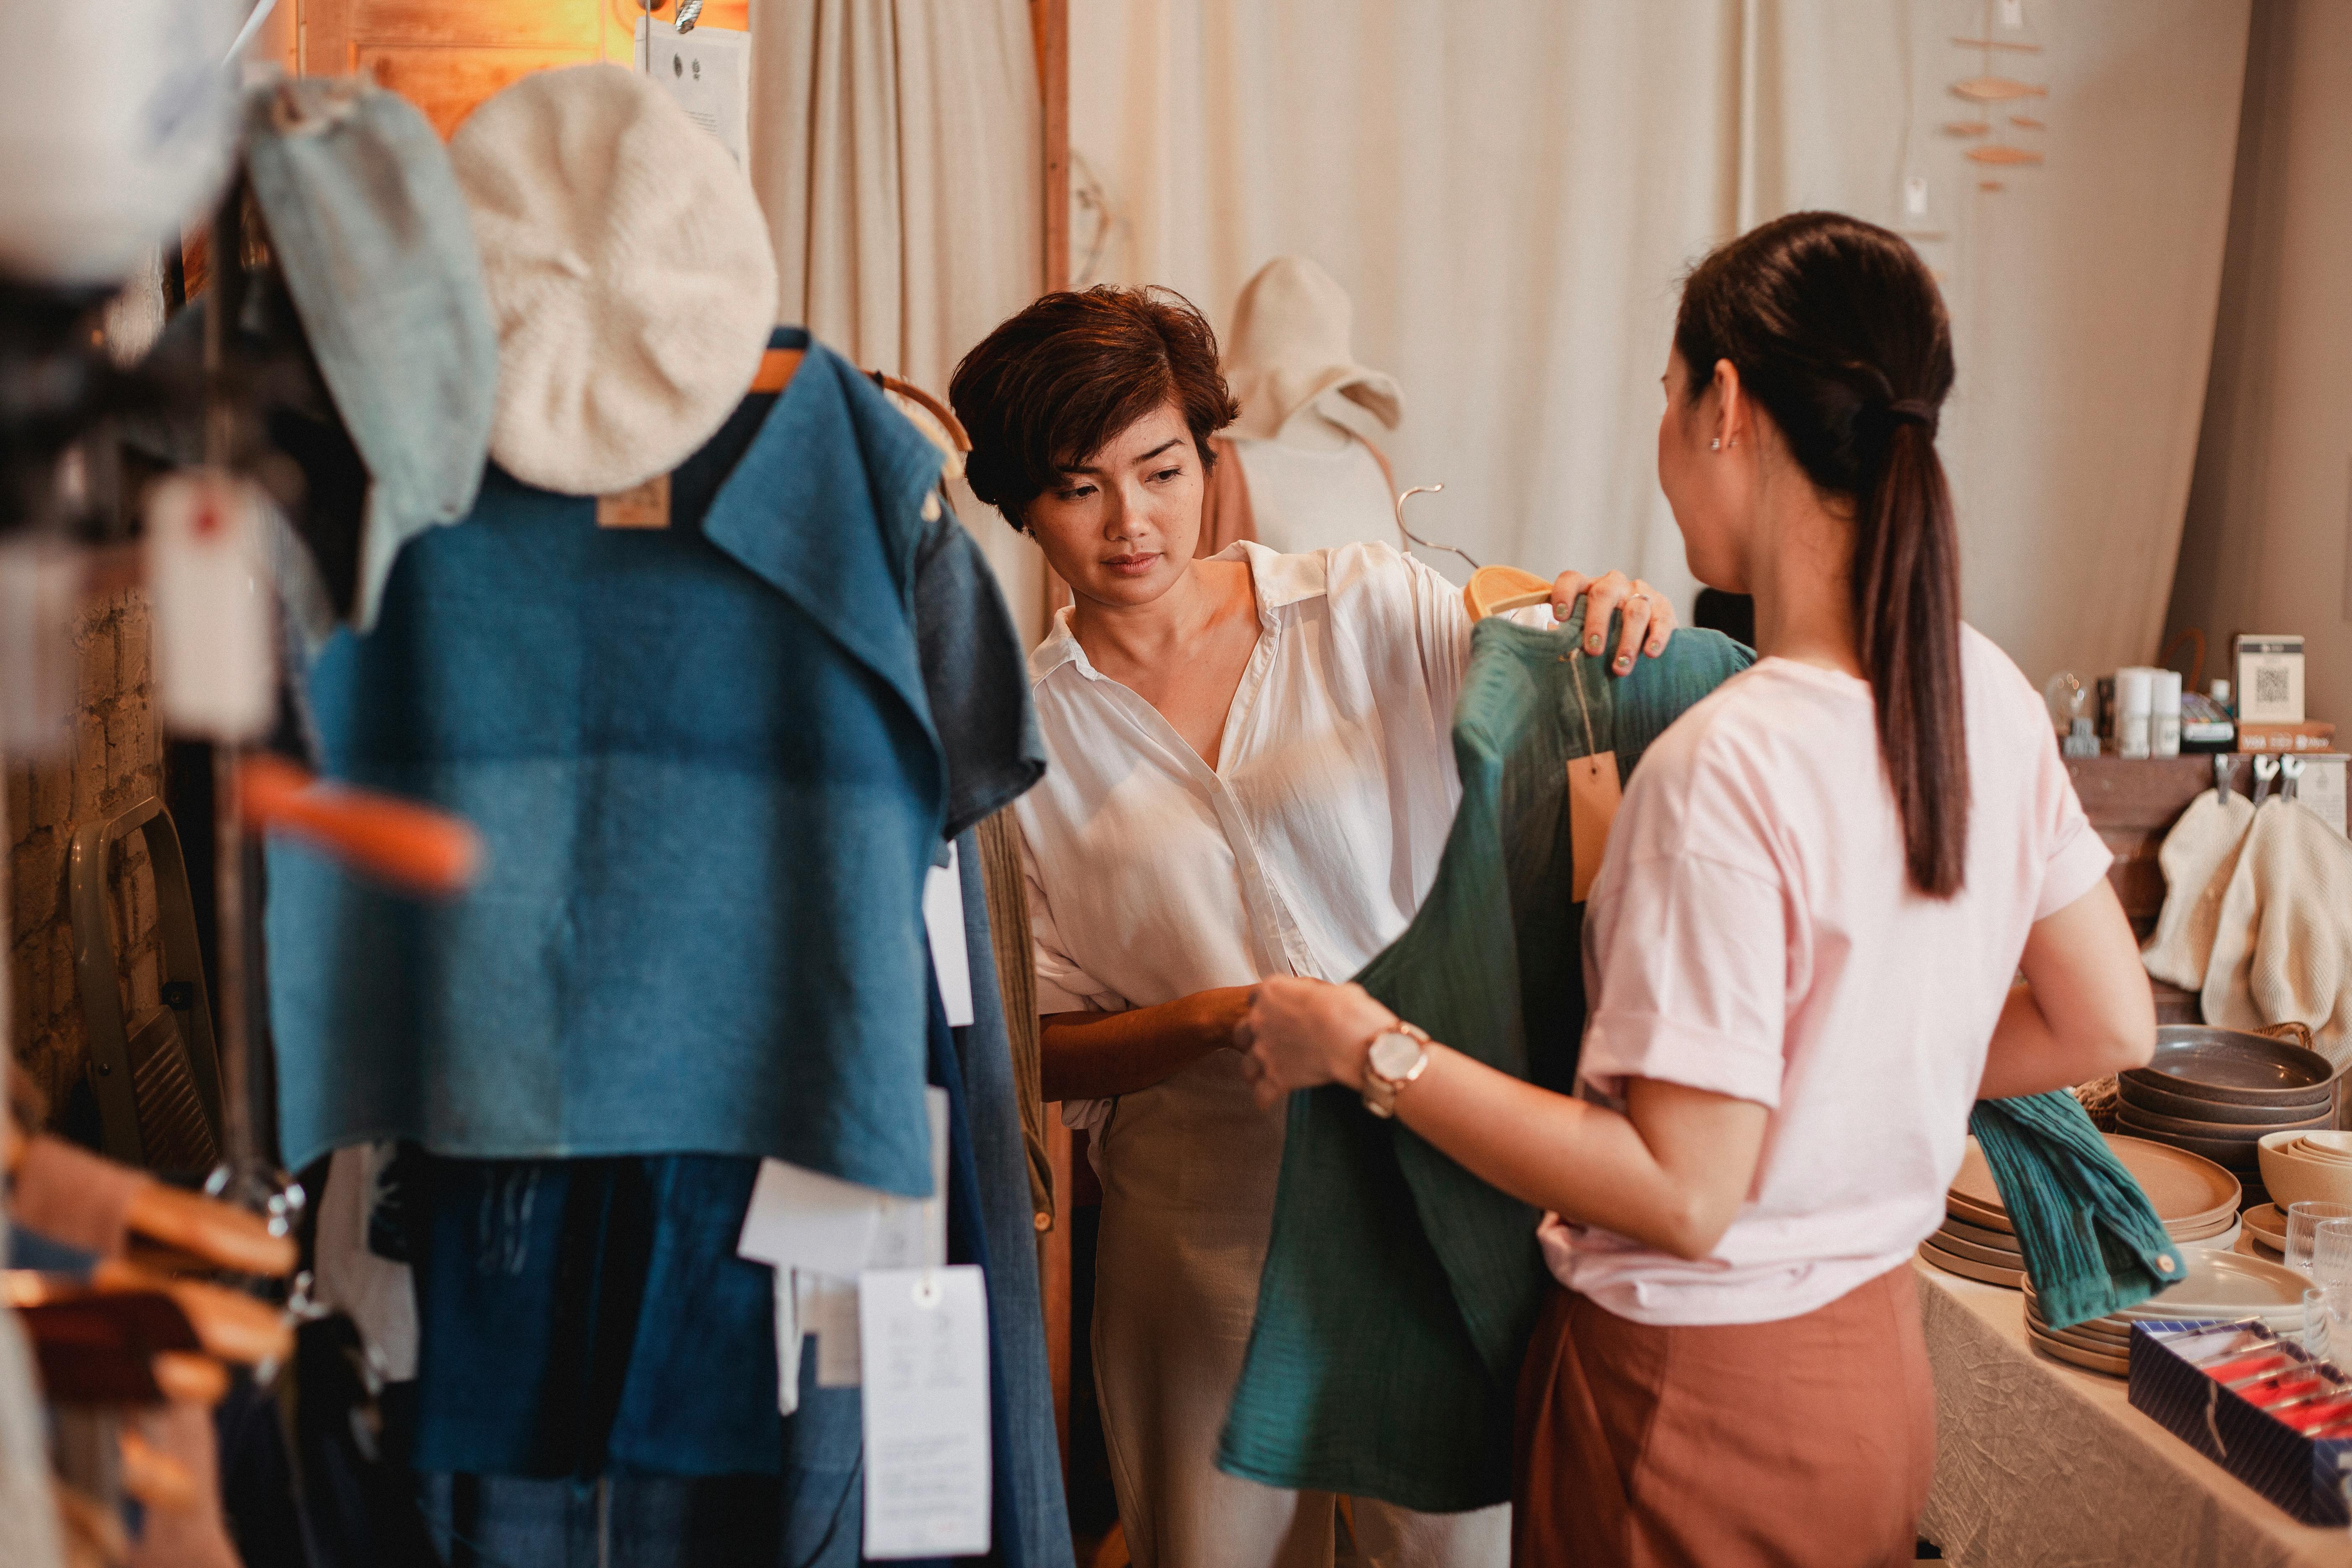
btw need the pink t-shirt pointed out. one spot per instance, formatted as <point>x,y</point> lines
<point>1752,932</point>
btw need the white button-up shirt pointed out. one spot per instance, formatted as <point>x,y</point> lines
<point>1305,851</point>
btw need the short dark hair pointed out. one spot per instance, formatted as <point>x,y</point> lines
<point>1050,387</point>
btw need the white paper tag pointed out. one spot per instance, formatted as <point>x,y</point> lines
<point>706,73</point>
<point>1915,196</point>
<point>788,1341</point>
<point>214,674</point>
<point>924,1333</point>
<point>820,1233</point>
<point>2322,789</point>
<point>828,1313</point>
<point>943,919</point>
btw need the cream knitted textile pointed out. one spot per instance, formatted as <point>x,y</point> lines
<point>628,269</point>
<point>2198,856</point>
<point>2282,935</point>
<point>1289,351</point>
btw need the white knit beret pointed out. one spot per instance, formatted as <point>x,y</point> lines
<point>628,269</point>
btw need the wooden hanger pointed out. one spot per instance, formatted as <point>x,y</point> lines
<point>1494,589</point>
<point>222,1324</point>
<point>776,368</point>
<point>411,846</point>
<point>932,406</point>
<point>193,1231</point>
<point>154,1479</point>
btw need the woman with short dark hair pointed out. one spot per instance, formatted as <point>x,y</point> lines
<point>1252,775</point>
<point>1817,890</point>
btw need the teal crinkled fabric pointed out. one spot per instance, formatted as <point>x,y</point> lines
<point>2092,1243</point>
<point>1399,1291</point>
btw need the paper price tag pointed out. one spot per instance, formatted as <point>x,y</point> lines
<point>828,1313</point>
<point>924,1333</point>
<point>943,921</point>
<point>1592,798</point>
<point>820,1233</point>
<point>214,643</point>
<point>788,1341</point>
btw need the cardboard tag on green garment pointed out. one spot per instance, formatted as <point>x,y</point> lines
<point>1593,796</point>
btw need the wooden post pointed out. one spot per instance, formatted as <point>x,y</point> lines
<point>1049,25</point>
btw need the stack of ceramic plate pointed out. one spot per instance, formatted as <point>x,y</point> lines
<point>2265,1234</point>
<point>2217,1092</point>
<point>2196,1199</point>
<point>2220,1285</point>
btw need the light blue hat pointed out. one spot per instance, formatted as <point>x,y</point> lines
<point>376,245</point>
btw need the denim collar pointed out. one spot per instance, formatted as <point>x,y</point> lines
<point>826,503</point>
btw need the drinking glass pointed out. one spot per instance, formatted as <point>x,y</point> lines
<point>2331,1252</point>
<point>2302,1224</point>
<point>2327,1323</point>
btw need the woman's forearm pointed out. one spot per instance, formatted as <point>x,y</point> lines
<point>1095,1056</point>
<point>1674,1182</point>
<point>2086,1009</point>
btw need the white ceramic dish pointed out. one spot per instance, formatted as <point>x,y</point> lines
<point>2227,1285</point>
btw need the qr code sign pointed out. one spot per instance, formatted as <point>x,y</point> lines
<point>2270,685</point>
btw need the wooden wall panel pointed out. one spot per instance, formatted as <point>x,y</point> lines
<point>446,56</point>
<point>540,24</point>
<point>448,82</point>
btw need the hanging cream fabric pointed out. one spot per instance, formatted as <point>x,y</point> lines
<point>2283,938</point>
<point>1511,191</point>
<point>2197,859</point>
<point>896,145</point>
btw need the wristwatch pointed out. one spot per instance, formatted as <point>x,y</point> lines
<point>1395,1057</point>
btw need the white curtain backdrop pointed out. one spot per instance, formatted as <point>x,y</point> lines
<point>1511,191</point>
<point>896,147</point>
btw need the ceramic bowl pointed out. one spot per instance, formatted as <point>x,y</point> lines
<point>2146,1096</point>
<point>2292,1178</point>
<point>2160,1126</point>
<point>2234,1068</point>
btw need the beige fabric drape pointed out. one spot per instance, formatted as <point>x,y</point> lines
<point>896,147</point>
<point>1511,191</point>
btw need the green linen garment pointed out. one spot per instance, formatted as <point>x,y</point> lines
<point>1399,1291</point>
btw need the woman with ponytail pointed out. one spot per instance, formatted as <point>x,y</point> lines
<point>1799,952</point>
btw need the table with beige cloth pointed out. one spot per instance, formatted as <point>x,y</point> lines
<point>2038,1462</point>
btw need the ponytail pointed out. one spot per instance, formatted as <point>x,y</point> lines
<point>1838,331</point>
<point>1906,618</point>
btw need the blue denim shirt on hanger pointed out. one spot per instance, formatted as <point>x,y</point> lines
<point>704,769</point>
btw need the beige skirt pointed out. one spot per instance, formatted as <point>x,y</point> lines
<point>1808,1441</point>
<point>1188,1168</point>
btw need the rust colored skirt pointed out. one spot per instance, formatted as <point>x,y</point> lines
<point>1808,1441</point>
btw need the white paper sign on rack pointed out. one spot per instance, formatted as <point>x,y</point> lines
<point>707,72</point>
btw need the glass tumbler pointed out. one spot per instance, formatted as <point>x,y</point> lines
<point>2331,1252</point>
<point>2327,1323</point>
<point>2302,1230</point>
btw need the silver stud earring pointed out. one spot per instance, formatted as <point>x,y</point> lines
<point>1716,445</point>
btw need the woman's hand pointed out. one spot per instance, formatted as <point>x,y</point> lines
<point>1302,1033</point>
<point>1650,620</point>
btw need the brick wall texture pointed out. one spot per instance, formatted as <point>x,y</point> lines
<point>114,759</point>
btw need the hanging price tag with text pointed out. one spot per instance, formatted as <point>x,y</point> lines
<point>923,1340</point>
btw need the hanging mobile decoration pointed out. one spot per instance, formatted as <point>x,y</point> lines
<point>1988,89</point>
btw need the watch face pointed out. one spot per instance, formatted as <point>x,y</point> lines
<point>1393,1055</point>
